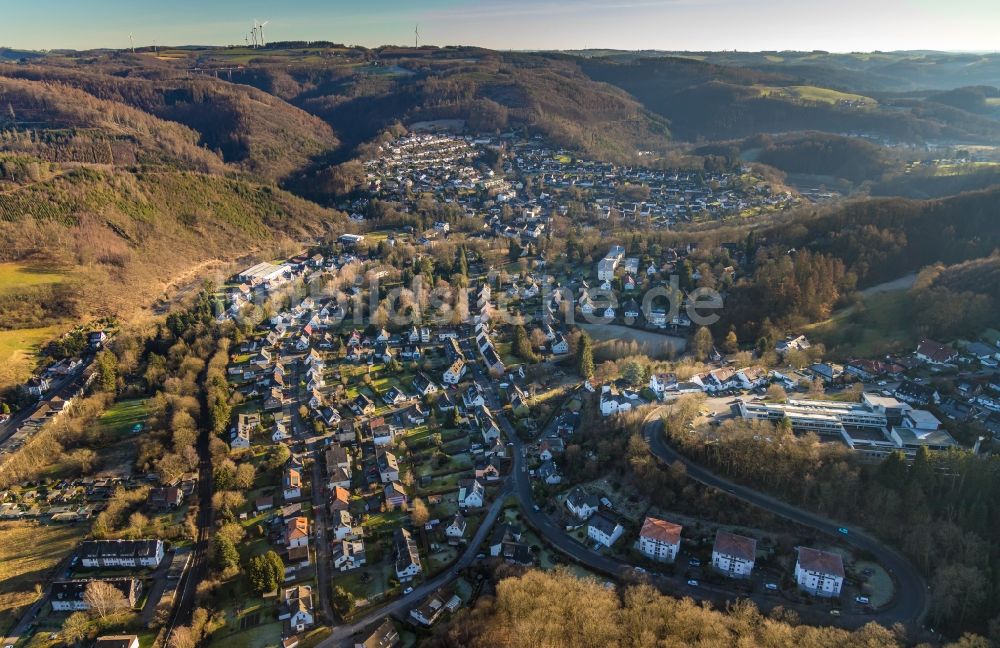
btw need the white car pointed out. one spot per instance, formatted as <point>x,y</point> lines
<point>408,590</point>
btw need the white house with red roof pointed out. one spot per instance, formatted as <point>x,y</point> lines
<point>660,540</point>
<point>821,573</point>
<point>734,555</point>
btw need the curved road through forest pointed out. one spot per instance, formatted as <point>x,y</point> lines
<point>910,603</point>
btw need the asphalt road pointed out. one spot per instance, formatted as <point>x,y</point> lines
<point>343,635</point>
<point>910,603</point>
<point>9,427</point>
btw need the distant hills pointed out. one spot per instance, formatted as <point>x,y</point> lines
<point>108,158</point>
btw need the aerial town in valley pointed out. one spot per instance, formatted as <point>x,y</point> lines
<point>378,464</point>
<point>306,344</point>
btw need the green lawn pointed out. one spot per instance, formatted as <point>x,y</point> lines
<point>383,520</point>
<point>121,418</point>
<point>18,275</point>
<point>879,327</point>
<point>18,351</point>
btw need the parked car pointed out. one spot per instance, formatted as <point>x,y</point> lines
<point>408,590</point>
<point>692,582</point>
<point>771,587</point>
<point>835,612</point>
<point>694,562</point>
<point>843,530</point>
<point>863,600</point>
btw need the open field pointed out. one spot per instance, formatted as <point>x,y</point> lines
<point>120,419</point>
<point>814,93</point>
<point>651,343</point>
<point>27,552</point>
<point>872,332</point>
<point>17,352</point>
<point>18,275</point>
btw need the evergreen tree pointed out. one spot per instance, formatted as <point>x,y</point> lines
<point>107,371</point>
<point>522,345</point>
<point>224,554</point>
<point>585,357</point>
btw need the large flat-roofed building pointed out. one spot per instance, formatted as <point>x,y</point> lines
<point>261,273</point>
<point>121,553</point>
<point>822,417</point>
<point>875,426</point>
<point>606,266</point>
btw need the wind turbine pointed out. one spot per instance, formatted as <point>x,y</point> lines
<point>260,27</point>
<point>253,33</point>
<point>416,35</point>
<point>131,39</point>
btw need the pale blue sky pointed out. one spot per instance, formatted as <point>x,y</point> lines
<point>835,25</point>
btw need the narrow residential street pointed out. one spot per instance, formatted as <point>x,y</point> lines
<point>322,540</point>
<point>344,635</point>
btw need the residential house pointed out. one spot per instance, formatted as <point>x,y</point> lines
<point>501,534</point>
<point>471,493</point>
<point>113,554</point>
<point>415,414</point>
<point>661,383</point>
<point>274,401</point>
<point>613,402</point>
<point>659,540</point>
<point>394,396</point>
<point>297,532</point>
<point>382,433</point>
<point>165,498</point>
<point>734,555</point>
<point>388,466</point>
<point>69,595</point>
<point>604,528</point>
<point>441,601</point>
<point>473,397</point>
<point>581,503</point>
<point>407,558</point>
<point>423,384</point>
<point>348,554</point>
<point>488,468</point>
<point>280,433</point>
<point>395,495</point>
<point>915,393</point>
<point>342,525</point>
<point>340,499</point>
<point>455,372</point>
<point>456,528</point>
<point>548,472</point>
<point>362,405</point>
<point>792,343</point>
<point>935,353</point>
<point>384,636</point>
<point>291,483</point>
<point>820,573</point>
<point>559,344</point>
<point>298,607</point>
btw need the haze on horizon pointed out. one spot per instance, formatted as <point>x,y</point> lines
<point>746,25</point>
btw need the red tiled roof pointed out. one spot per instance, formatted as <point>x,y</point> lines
<point>736,546</point>
<point>661,530</point>
<point>823,562</point>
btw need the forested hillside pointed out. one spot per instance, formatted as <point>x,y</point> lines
<point>253,130</point>
<point>718,102</point>
<point>127,235</point>
<point>557,610</point>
